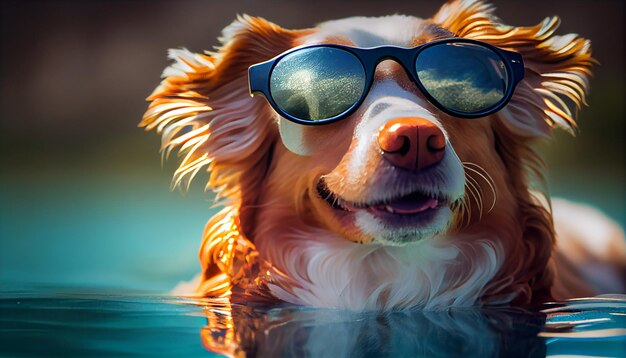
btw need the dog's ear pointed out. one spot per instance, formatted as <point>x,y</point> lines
<point>557,68</point>
<point>203,109</point>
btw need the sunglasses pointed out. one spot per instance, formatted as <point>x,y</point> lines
<point>324,83</point>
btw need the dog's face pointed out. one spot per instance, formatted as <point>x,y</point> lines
<point>358,184</point>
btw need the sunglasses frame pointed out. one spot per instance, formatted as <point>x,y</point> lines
<point>259,75</point>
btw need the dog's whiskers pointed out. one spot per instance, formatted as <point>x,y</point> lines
<point>475,191</point>
<point>483,174</point>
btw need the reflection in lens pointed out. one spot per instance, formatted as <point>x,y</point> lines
<point>464,77</point>
<point>317,83</point>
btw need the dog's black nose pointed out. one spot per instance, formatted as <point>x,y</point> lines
<point>411,143</point>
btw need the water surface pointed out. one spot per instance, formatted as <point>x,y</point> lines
<point>56,322</point>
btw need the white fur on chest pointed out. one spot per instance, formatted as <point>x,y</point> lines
<point>321,270</point>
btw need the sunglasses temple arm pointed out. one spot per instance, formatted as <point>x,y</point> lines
<point>258,81</point>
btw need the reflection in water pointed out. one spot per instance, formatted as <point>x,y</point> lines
<point>54,322</point>
<point>238,330</point>
<point>583,327</point>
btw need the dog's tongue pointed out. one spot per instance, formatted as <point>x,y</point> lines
<point>410,204</point>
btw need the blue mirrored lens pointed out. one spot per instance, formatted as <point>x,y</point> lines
<point>463,77</point>
<point>317,83</point>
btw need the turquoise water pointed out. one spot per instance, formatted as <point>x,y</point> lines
<point>55,322</point>
<point>61,324</point>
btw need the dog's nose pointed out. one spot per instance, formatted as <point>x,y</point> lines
<point>412,143</point>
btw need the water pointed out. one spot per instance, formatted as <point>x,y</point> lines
<point>54,322</point>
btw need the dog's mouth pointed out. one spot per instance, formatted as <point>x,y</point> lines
<point>416,203</point>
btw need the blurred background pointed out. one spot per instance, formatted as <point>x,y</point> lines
<point>84,200</point>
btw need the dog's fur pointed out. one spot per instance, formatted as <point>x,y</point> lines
<point>276,238</point>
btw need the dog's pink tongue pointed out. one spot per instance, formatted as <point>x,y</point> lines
<point>409,205</point>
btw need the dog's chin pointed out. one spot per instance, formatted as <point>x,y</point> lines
<point>399,220</point>
<point>404,229</point>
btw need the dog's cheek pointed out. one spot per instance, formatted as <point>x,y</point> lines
<point>292,136</point>
<point>326,144</point>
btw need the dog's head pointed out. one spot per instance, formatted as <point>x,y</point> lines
<point>397,169</point>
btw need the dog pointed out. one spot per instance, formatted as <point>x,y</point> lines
<point>402,202</point>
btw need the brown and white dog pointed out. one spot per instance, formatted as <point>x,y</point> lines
<point>313,214</point>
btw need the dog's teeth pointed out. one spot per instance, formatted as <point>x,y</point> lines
<point>389,208</point>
